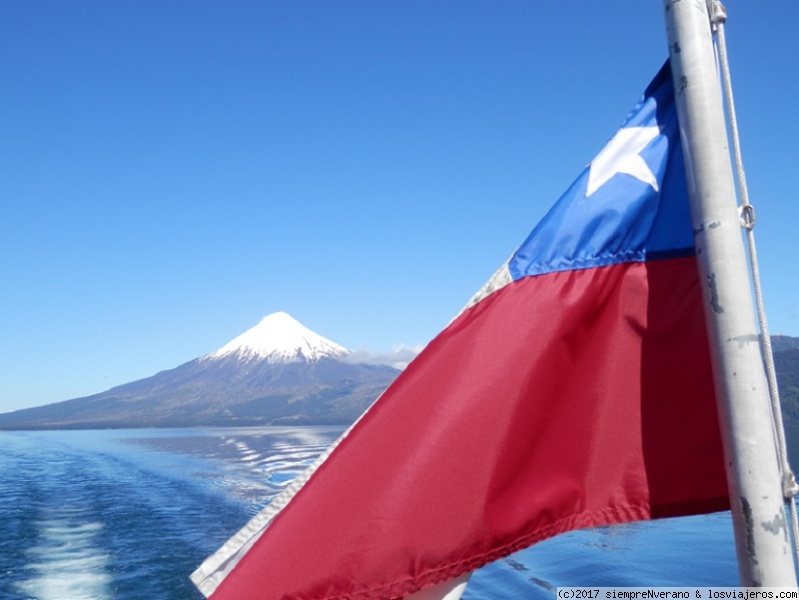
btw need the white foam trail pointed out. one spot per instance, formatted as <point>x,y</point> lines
<point>66,562</point>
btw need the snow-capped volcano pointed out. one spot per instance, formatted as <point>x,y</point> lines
<point>277,373</point>
<point>279,338</point>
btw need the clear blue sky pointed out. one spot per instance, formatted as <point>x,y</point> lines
<point>170,172</point>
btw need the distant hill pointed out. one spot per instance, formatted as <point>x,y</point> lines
<point>279,372</point>
<point>786,364</point>
<point>780,343</point>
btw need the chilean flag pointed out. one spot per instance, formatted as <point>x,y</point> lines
<point>574,390</point>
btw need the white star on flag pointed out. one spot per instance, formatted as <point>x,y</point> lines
<point>622,155</point>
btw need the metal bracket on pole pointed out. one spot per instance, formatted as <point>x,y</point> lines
<point>756,490</point>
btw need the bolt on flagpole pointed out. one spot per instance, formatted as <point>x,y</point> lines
<point>764,553</point>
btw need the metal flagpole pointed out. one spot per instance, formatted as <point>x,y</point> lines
<point>758,507</point>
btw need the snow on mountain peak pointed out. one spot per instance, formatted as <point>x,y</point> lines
<point>278,338</point>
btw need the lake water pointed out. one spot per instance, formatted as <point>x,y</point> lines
<point>129,514</point>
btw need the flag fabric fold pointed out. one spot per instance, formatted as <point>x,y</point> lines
<point>574,390</point>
